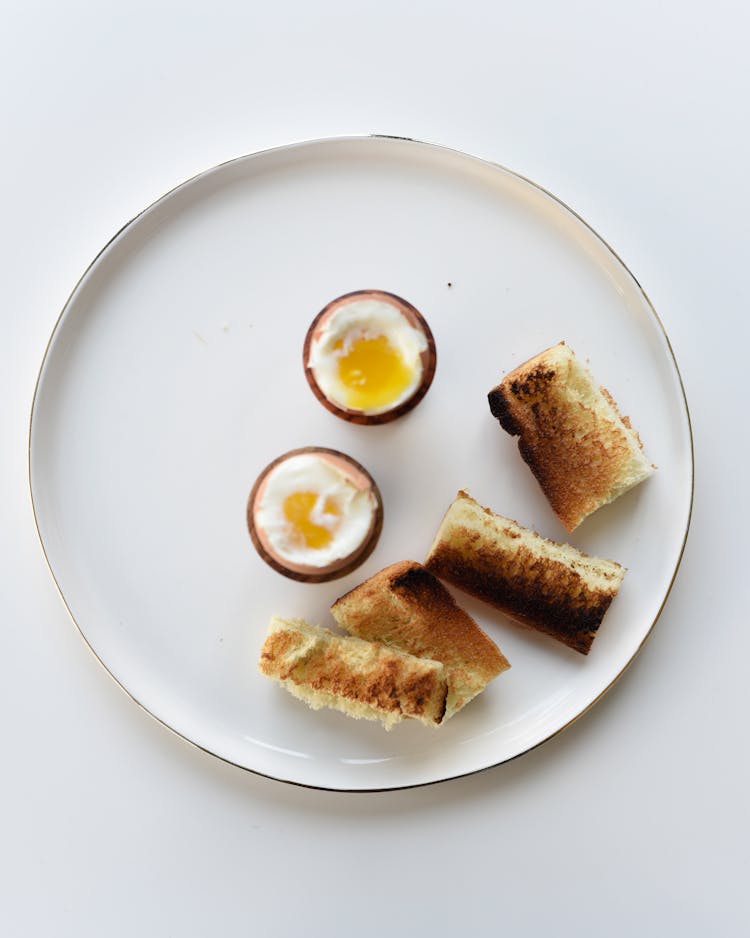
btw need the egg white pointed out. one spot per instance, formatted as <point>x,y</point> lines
<point>367,317</point>
<point>308,472</point>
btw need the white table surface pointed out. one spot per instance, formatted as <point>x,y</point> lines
<point>632,821</point>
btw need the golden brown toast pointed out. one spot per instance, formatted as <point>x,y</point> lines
<point>406,607</point>
<point>547,586</point>
<point>361,679</point>
<point>582,452</point>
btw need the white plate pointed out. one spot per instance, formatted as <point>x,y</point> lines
<point>174,375</point>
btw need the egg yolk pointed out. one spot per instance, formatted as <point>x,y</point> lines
<point>373,372</point>
<point>297,510</point>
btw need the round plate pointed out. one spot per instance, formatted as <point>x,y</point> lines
<point>174,376</point>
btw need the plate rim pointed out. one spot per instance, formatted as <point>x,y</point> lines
<point>335,140</point>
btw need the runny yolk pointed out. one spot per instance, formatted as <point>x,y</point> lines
<point>297,510</point>
<point>373,373</point>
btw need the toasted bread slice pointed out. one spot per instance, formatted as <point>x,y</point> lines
<point>363,680</point>
<point>582,452</point>
<point>406,607</point>
<point>551,587</point>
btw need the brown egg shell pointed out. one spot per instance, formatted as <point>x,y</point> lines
<point>337,568</point>
<point>429,358</point>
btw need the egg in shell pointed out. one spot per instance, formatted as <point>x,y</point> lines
<point>369,356</point>
<point>314,514</point>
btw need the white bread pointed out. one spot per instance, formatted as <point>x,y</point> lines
<point>362,679</point>
<point>408,608</point>
<point>547,586</point>
<point>583,453</point>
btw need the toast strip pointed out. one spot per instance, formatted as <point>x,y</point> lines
<point>547,586</point>
<point>408,608</point>
<point>570,433</point>
<point>359,678</point>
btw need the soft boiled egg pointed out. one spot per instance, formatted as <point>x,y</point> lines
<point>314,514</point>
<point>369,356</point>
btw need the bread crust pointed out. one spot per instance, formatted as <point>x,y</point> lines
<point>407,607</point>
<point>581,450</point>
<point>546,586</point>
<point>359,678</point>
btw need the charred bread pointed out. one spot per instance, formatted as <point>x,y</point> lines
<point>407,607</point>
<point>583,453</point>
<point>547,586</point>
<point>362,679</point>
